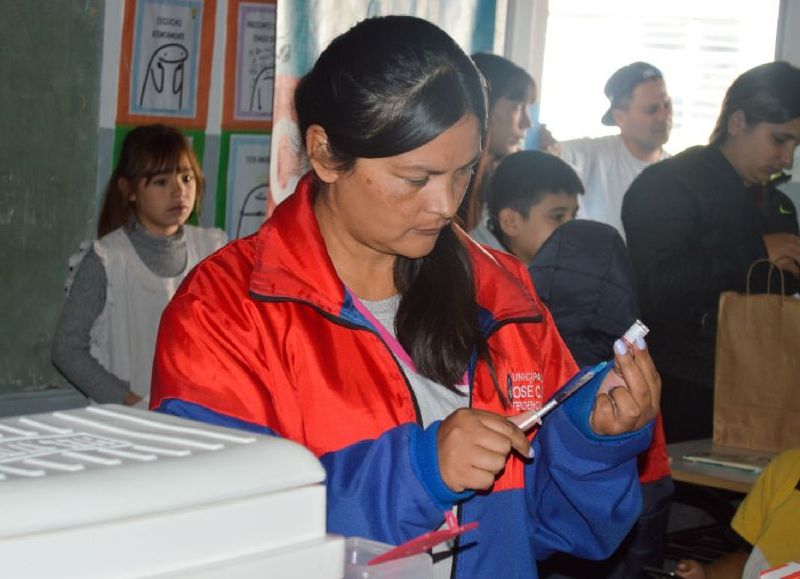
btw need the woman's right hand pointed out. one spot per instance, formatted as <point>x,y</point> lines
<point>473,446</point>
<point>784,250</point>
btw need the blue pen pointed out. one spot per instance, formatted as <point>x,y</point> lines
<point>526,420</point>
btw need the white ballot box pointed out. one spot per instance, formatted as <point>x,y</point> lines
<point>109,491</point>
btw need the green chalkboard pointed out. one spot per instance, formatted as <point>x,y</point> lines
<point>50,62</point>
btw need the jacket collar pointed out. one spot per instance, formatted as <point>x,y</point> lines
<point>292,262</point>
<point>718,159</point>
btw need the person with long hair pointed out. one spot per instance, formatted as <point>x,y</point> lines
<point>106,335</point>
<point>696,222</point>
<point>510,91</point>
<point>363,323</point>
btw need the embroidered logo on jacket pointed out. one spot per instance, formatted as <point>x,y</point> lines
<point>525,390</point>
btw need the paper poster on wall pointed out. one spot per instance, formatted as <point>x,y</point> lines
<point>247,185</point>
<point>250,64</point>
<point>164,65</point>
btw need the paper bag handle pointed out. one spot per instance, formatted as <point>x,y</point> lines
<point>772,266</point>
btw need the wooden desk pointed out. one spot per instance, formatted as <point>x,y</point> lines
<point>713,490</point>
<point>717,477</point>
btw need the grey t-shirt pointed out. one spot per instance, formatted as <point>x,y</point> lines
<point>435,401</point>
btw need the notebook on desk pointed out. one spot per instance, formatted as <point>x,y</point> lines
<point>744,460</point>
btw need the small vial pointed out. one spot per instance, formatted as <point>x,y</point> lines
<point>637,330</point>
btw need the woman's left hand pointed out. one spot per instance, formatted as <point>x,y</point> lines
<point>630,394</point>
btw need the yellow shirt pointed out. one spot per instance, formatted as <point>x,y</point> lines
<point>769,517</point>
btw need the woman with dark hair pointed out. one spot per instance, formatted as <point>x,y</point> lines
<point>694,224</point>
<point>511,90</point>
<point>361,322</point>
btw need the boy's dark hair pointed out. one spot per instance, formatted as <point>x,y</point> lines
<point>521,181</point>
<point>388,86</point>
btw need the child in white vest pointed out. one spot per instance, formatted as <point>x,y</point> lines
<point>121,282</point>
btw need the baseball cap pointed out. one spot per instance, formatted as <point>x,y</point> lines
<point>622,83</point>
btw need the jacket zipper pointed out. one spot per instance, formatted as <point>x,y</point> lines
<point>460,506</point>
<point>339,321</point>
<point>345,324</point>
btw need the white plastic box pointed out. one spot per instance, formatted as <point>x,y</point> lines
<point>110,491</point>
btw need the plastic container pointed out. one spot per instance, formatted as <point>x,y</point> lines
<point>358,552</point>
<point>112,491</point>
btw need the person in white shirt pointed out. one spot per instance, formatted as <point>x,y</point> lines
<point>642,109</point>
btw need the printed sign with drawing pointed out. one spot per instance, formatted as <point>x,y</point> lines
<point>165,52</point>
<point>255,62</point>
<point>248,179</point>
<point>165,62</point>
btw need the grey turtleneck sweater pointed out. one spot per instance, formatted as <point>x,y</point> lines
<point>164,256</point>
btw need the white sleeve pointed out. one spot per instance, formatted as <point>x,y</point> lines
<point>579,153</point>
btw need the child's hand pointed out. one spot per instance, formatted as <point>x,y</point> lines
<point>547,142</point>
<point>473,446</point>
<point>131,399</point>
<point>690,569</point>
<point>629,397</point>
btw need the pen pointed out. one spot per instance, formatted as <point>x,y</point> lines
<point>526,420</point>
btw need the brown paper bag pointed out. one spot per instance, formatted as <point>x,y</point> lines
<point>757,372</point>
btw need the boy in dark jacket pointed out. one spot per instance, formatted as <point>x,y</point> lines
<point>582,273</point>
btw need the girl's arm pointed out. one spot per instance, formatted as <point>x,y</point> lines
<point>70,349</point>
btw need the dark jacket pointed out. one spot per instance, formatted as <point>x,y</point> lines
<point>693,229</point>
<point>583,275</point>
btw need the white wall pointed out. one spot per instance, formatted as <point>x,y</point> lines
<point>788,48</point>
<point>788,45</point>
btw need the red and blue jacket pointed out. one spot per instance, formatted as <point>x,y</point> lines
<point>263,336</point>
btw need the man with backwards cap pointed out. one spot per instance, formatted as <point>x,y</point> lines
<point>642,109</point>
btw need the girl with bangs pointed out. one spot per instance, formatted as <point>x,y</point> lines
<point>122,282</point>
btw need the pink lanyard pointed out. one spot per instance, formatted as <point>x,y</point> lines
<point>394,345</point>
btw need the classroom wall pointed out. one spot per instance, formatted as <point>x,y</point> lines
<point>50,71</point>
